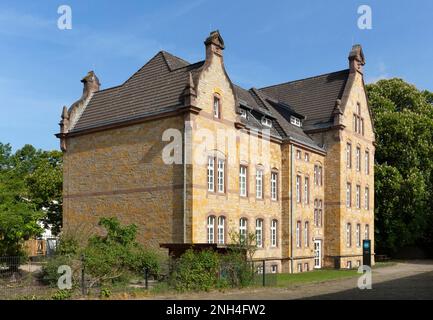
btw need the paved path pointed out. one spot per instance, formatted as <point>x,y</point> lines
<point>408,280</point>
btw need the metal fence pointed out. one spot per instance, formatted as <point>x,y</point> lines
<point>264,274</point>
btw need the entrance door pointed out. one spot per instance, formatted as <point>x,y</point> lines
<point>317,254</point>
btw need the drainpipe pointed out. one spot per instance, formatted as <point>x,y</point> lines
<point>185,149</point>
<point>292,210</point>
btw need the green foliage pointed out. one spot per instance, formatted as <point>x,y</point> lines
<point>196,271</point>
<point>105,293</point>
<point>49,274</point>
<point>236,271</point>
<point>62,295</point>
<point>403,118</point>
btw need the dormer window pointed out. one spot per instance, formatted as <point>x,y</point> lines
<point>266,122</point>
<point>295,121</point>
<point>243,113</point>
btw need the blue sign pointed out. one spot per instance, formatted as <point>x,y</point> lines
<point>366,244</point>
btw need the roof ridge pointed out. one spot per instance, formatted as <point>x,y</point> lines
<point>308,78</point>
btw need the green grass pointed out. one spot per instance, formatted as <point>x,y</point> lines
<point>286,280</point>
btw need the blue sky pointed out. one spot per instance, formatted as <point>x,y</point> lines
<point>267,42</point>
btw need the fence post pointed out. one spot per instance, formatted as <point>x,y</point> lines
<point>146,278</point>
<point>264,273</point>
<point>83,283</point>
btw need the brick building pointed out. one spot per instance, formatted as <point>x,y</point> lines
<point>297,170</point>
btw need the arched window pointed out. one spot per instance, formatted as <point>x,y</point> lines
<point>211,229</point>
<point>243,223</point>
<point>221,230</point>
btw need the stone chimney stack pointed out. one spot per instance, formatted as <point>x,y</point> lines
<point>214,46</point>
<point>90,84</point>
<point>356,59</point>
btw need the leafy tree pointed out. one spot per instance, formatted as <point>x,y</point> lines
<point>403,118</point>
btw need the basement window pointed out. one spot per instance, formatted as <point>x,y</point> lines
<point>266,122</point>
<point>295,121</point>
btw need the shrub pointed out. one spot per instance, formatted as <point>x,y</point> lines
<point>236,270</point>
<point>49,274</point>
<point>196,271</point>
<point>62,295</point>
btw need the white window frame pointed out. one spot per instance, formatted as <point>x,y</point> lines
<point>243,173</point>
<point>259,233</point>
<point>348,235</point>
<point>274,186</point>
<point>306,234</point>
<point>307,157</point>
<point>348,195</point>
<point>358,159</point>
<point>259,184</point>
<point>211,174</point>
<point>358,235</point>
<point>266,122</point>
<point>243,227</point>
<point>306,190</point>
<point>298,234</point>
<point>367,162</point>
<point>221,175</point>
<point>298,188</point>
<point>216,107</point>
<point>367,198</point>
<point>274,268</point>
<point>274,233</point>
<point>358,196</point>
<point>211,229</point>
<point>295,121</point>
<point>348,155</point>
<point>221,230</point>
<point>243,113</point>
<point>367,232</point>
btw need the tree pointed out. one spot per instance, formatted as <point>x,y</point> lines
<point>403,118</point>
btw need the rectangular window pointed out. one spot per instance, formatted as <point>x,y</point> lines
<point>221,230</point>
<point>367,162</point>
<point>299,267</point>
<point>320,213</point>
<point>211,229</point>
<point>298,189</point>
<point>316,175</point>
<point>307,157</point>
<point>306,190</point>
<point>211,174</point>
<point>274,186</point>
<point>259,184</point>
<point>295,121</point>
<point>349,264</point>
<point>298,154</point>
<point>358,159</point>
<point>367,232</point>
<point>358,197</point>
<point>320,176</point>
<point>298,234</point>
<point>274,268</point>
<point>243,181</point>
<point>216,107</point>
<point>348,235</point>
<point>221,166</point>
<point>259,233</point>
<point>358,235</point>
<point>349,195</point>
<point>367,198</point>
<point>274,226</point>
<point>242,229</point>
<point>349,155</point>
<point>306,234</point>
<point>306,267</point>
<point>362,126</point>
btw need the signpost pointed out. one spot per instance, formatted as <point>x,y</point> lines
<point>366,253</point>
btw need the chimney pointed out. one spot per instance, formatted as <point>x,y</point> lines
<point>91,84</point>
<point>356,59</point>
<point>214,45</point>
<point>64,127</point>
<point>189,93</point>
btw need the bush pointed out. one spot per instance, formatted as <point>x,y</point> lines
<point>236,270</point>
<point>196,271</point>
<point>50,275</point>
<point>62,295</point>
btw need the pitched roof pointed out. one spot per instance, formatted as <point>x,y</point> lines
<point>156,88</point>
<point>312,97</point>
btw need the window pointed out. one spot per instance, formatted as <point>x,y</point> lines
<point>317,175</point>
<point>211,229</point>
<point>307,190</point>
<point>348,235</point>
<point>367,162</point>
<point>358,197</point>
<point>295,121</point>
<point>298,234</point>
<point>367,198</point>
<point>358,263</point>
<point>242,229</point>
<point>318,212</point>
<point>307,157</point>
<point>274,186</point>
<point>358,235</point>
<point>243,181</point>
<point>274,268</point>
<point>298,189</point>
<point>274,228</point>
<point>306,267</point>
<point>221,230</point>
<point>259,184</point>
<point>260,269</point>
<point>216,108</point>
<point>259,233</point>
<point>358,159</point>
<point>349,264</point>
<point>243,113</point>
<point>358,122</point>
<point>349,195</point>
<point>349,155</point>
<point>298,154</point>
<point>211,174</point>
<point>367,232</point>
<point>221,165</point>
<point>306,234</point>
<point>362,126</point>
<point>299,267</point>
<point>266,122</point>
